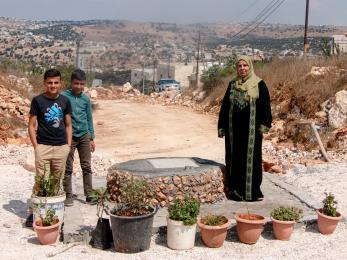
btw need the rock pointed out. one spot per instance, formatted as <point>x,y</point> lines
<point>127,87</point>
<point>321,114</point>
<point>93,94</point>
<point>337,115</point>
<point>276,169</point>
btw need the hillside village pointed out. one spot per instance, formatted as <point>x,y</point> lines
<point>117,47</point>
<point>124,59</point>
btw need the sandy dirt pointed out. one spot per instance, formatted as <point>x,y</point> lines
<point>136,130</point>
<point>131,131</point>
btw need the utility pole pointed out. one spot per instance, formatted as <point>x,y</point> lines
<point>197,61</point>
<point>78,43</point>
<point>143,78</point>
<point>306,45</point>
<point>168,67</point>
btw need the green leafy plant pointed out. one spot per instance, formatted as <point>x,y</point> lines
<point>50,218</point>
<point>286,213</point>
<point>329,205</point>
<point>185,210</point>
<point>214,220</point>
<point>101,196</point>
<point>47,185</point>
<point>133,198</point>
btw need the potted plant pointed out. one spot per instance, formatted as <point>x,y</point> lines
<point>47,194</point>
<point>132,217</point>
<point>328,216</point>
<point>102,234</point>
<point>213,229</point>
<point>283,220</point>
<point>249,226</point>
<point>181,223</point>
<point>47,227</point>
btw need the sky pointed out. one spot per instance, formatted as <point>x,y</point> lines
<point>322,12</point>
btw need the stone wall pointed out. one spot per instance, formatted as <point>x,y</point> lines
<point>206,186</point>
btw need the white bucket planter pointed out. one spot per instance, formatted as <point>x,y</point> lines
<point>179,236</point>
<point>42,204</point>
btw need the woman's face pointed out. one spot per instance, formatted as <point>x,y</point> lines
<point>242,68</point>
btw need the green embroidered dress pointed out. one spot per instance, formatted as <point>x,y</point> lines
<point>242,121</point>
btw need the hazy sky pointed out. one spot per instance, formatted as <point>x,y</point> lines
<point>332,12</point>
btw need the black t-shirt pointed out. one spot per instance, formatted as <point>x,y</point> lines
<point>50,118</point>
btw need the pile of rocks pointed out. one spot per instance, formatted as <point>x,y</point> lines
<point>206,187</point>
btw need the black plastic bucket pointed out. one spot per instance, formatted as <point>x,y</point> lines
<point>132,234</point>
<point>102,235</point>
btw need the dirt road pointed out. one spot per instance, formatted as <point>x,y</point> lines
<point>140,130</point>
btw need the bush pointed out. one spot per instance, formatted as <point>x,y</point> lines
<point>133,198</point>
<point>286,214</point>
<point>214,220</point>
<point>329,205</point>
<point>186,210</point>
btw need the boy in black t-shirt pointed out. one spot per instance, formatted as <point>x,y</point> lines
<point>51,112</point>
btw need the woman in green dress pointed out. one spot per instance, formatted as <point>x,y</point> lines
<point>243,118</point>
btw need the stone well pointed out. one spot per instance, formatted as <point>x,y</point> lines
<point>172,178</point>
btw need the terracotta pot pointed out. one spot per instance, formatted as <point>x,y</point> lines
<point>213,236</point>
<point>47,235</point>
<point>282,229</point>
<point>327,224</point>
<point>249,227</point>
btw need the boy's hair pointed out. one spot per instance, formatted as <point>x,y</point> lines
<point>51,73</point>
<point>78,74</point>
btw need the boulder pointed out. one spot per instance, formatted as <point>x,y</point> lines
<point>337,115</point>
<point>127,87</point>
<point>93,94</point>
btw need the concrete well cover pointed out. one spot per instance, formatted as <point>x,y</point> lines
<point>166,163</point>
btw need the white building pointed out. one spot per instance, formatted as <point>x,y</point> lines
<point>138,74</point>
<point>340,42</point>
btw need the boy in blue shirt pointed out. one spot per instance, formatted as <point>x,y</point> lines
<point>82,136</point>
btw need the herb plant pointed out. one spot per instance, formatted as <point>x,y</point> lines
<point>50,218</point>
<point>133,198</point>
<point>329,205</point>
<point>185,210</point>
<point>286,213</point>
<point>214,220</point>
<point>100,196</point>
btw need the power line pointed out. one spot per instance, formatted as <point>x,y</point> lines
<point>282,1</point>
<point>266,12</point>
<point>244,11</point>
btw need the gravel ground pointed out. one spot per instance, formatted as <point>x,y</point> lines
<point>18,242</point>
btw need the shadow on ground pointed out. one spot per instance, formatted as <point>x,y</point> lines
<point>17,207</point>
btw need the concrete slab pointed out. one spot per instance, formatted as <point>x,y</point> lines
<point>166,163</point>
<point>81,218</point>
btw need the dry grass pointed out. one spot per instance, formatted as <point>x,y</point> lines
<point>291,79</point>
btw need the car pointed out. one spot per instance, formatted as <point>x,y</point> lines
<point>165,84</point>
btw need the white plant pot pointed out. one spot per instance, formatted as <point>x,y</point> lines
<point>179,236</point>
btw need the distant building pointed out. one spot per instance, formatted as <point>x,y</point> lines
<point>165,71</point>
<point>138,74</point>
<point>340,42</point>
<point>96,83</point>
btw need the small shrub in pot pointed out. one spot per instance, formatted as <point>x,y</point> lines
<point>283,220</point>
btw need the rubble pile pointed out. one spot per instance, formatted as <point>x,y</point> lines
<point>14,109</point>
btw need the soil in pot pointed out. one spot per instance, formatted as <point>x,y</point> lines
<point>102,235</point>
<point>213,236</point>
<point>282,229</point>
<point>327,224</point>
<point>249,227</point>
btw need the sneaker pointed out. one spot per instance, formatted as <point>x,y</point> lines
<point>29,221</point>
<point>68,202</point>
<point>90,201</point>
